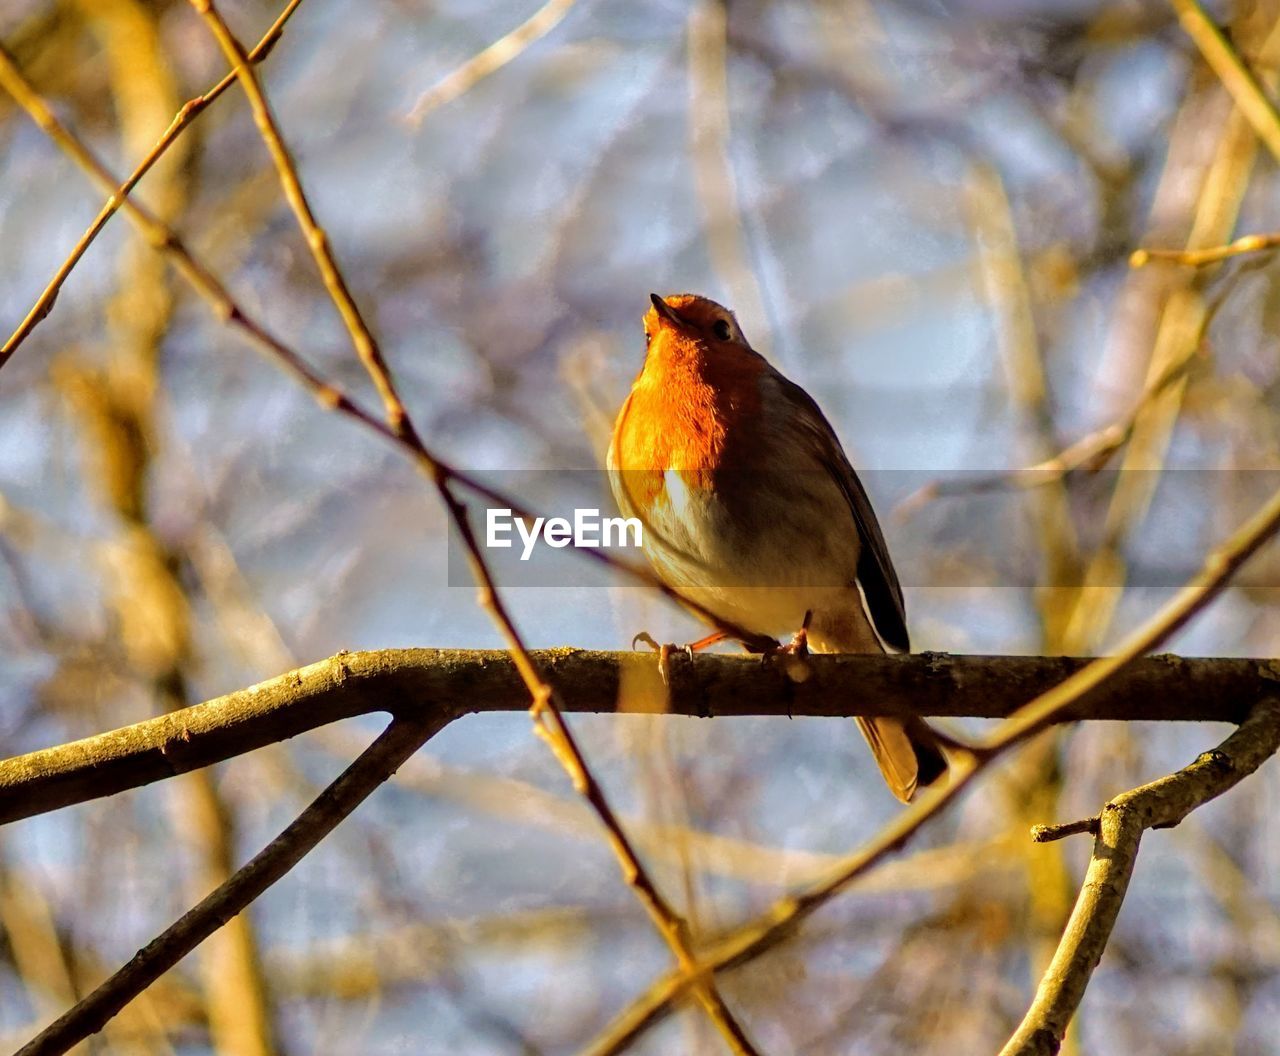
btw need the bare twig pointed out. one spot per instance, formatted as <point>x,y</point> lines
<point>1199,257</point>
<point>189,111</point>
<point>1087,455</point>
<point>1119,828</point>
<point>316,237</point>
<point>167,241</point>
<point>379,761</point>
<point>1050,833</point>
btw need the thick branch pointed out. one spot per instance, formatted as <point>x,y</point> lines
<point>1120,826</point>
<point>450,682</point>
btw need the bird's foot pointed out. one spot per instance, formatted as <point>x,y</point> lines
<point>665,651</point>
<point>798,646</point>
<point>791,656</point>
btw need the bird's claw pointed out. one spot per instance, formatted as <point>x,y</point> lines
<point>664,652</point>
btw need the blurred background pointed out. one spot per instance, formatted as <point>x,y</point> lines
<point>922,212</point>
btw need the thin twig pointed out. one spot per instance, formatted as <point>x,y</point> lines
<point>167,241</point>
<point>549,724</point>
<point>185,115</point>
<point>1060,831</point>
<point>1087,455</point>
<point>316,237</point>
<point>378,762</point>
<point>1197,258</point>
<point>1119,828</point>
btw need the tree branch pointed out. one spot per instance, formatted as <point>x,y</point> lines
<point>1120,826</point>
<point>446,682</point>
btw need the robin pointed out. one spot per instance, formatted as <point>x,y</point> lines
<point>751,509</point>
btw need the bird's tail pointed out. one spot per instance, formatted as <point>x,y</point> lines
<point>906,751</point>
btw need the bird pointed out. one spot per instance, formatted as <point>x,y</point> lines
<point>751,510</point>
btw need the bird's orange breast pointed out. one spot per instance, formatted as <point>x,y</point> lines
<point>692,412</point>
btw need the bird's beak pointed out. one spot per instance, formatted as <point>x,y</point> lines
<point>665,311</point>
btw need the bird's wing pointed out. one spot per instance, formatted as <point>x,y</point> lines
<point>881,592</point>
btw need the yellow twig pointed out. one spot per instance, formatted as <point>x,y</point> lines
<point>1236,77</point>
<point>491,59</point>
<point>1197,258</point>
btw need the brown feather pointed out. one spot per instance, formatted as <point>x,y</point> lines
<point>905,752</point>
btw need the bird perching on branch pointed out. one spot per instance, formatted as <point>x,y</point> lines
<point>752,510</point>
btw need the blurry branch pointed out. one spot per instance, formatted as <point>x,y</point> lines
<point>16,85</point>
<point>1247,906</point>
<point>1241,82</point>
<point>1119,828</point>
<point>1054,705</point>
<point>39,957</point>
<point>709,149</point>
<point>1000,260</point>
<point>429,682</point>
<point>490,60</point>
<point>1182,322</point>
<point>1087,455</point>
<point>398,742</point>
<point>1033,783</point>
<point>368,963</point>
<point>545,709</point>
<point>114,410</point>
<point>1197,258</point>
<point>1092,451</point>
<point>55,965</point>
<point>521,803</point>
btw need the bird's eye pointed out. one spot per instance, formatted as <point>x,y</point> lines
<point>721,329</point>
